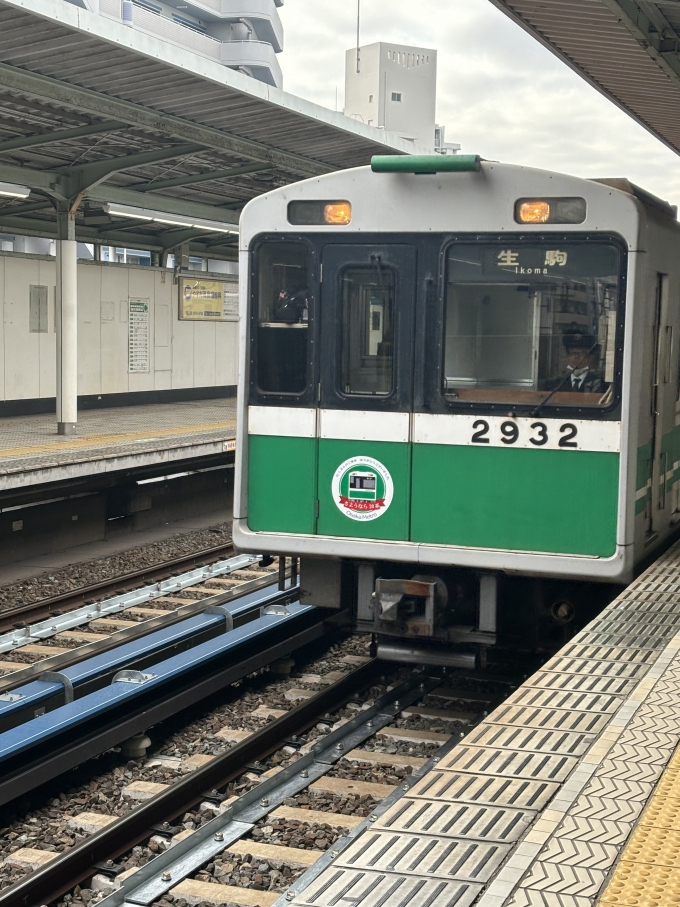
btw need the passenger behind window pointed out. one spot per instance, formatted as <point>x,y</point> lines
<point>291,308</point>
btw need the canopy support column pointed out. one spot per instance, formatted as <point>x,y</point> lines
<point>67,321</point>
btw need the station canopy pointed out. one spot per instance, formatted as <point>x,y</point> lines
<point>151,145</point>
<point>628,50</point>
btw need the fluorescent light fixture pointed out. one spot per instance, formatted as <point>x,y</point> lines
<point>14,191</point>
<point>162,217</point>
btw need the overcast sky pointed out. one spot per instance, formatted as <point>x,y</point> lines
<point>500,93</point>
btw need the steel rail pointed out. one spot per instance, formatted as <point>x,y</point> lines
<point>142,628</point>
<point>58,604</point>
<point>60,875</point>
<point>160,875</point>
<point>102,726</point>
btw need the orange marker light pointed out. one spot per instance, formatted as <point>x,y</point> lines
<point>534,212</point>
<point>337,213</point>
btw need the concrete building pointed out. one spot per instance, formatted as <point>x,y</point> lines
<point>394,87</point>
<point>244,35</point>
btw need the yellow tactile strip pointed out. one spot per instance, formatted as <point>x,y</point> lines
<point>648,873</point>
<point>98,441</point>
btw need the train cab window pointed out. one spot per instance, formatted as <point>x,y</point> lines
<point>367,305</point>
<point>281,288</point>
<point>531,323</point>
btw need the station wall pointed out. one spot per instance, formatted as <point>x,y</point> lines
<point>197,357</point>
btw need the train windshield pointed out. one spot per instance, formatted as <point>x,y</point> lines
<point>528,320</point>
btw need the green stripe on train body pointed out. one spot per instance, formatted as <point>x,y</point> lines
<point>519,500</point>
<point>281,484</point>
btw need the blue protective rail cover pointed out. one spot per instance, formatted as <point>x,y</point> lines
<point>40,730</point>
<point>32,695</point>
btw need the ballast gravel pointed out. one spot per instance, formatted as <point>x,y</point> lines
<point>41,820</point>
<point>76,576</point>
<point>101,785</point>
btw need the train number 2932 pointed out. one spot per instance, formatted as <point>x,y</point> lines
<point>510,433</point>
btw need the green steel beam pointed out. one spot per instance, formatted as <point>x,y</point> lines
<point>98,104</point>
<point>86,176</point>
<point>162,203</point>
<point>189,180</point>
<point>50,138</point>
<point>28,208</point>
<point>61,188</point>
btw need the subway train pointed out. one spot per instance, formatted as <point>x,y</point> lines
<point>459,397</point>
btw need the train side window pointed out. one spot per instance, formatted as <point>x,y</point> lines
<point>281,305</point>
<point>367,311</point>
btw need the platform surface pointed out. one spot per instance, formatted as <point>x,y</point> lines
<point>567,795</point>
<point>31,452</point>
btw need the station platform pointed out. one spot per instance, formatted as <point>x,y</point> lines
<point>112,440</point>
<point>567,795</point>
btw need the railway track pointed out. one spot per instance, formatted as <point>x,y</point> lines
<point>234,825</point>
<point>60,640</point>
<point>142,674</point>
<point>55,605</point>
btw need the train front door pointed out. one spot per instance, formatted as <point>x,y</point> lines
<point>366,390</point>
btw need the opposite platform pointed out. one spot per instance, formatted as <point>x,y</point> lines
<point>567,795</point>
<point>110,440</point>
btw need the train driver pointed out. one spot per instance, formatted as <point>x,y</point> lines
<point>583,354</point>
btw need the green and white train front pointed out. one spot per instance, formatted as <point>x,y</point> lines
<point>432,390</point>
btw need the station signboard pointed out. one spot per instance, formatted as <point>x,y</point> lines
<point>208,300</point>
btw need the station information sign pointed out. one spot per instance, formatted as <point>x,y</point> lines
<point>138,335</point>
<point>208,300</point>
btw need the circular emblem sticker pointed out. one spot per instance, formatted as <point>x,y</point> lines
<point>362,488</point>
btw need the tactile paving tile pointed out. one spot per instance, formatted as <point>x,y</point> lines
<point>451,785</point>
<point>622,770</point>
<point>456,820</point>
<point>644,639</point>
<point>642,885</point>
<point>525,897</point>
<point>564,879</point>
<point>580,702</point>
<point>617,654</point>
<point>571,665</point>
<point>597,831</point>
<point>638,755</point>
<point>619,810</point>
<point>351,888</point>
<point>669,785</point>
<point>463,860</point>
<point>646,845</point>
<point>619,788</point>
<point>663,813</point>
<point>537,740</point>
<point>649,739</point>
<point>554,719</point>
<point>535,766</point>
<point>626,622</point>
<point>657,716</point>
<point>587,854</point>
<point>590,683</point>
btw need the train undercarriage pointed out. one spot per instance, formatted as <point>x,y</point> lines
<point>451,616</point>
